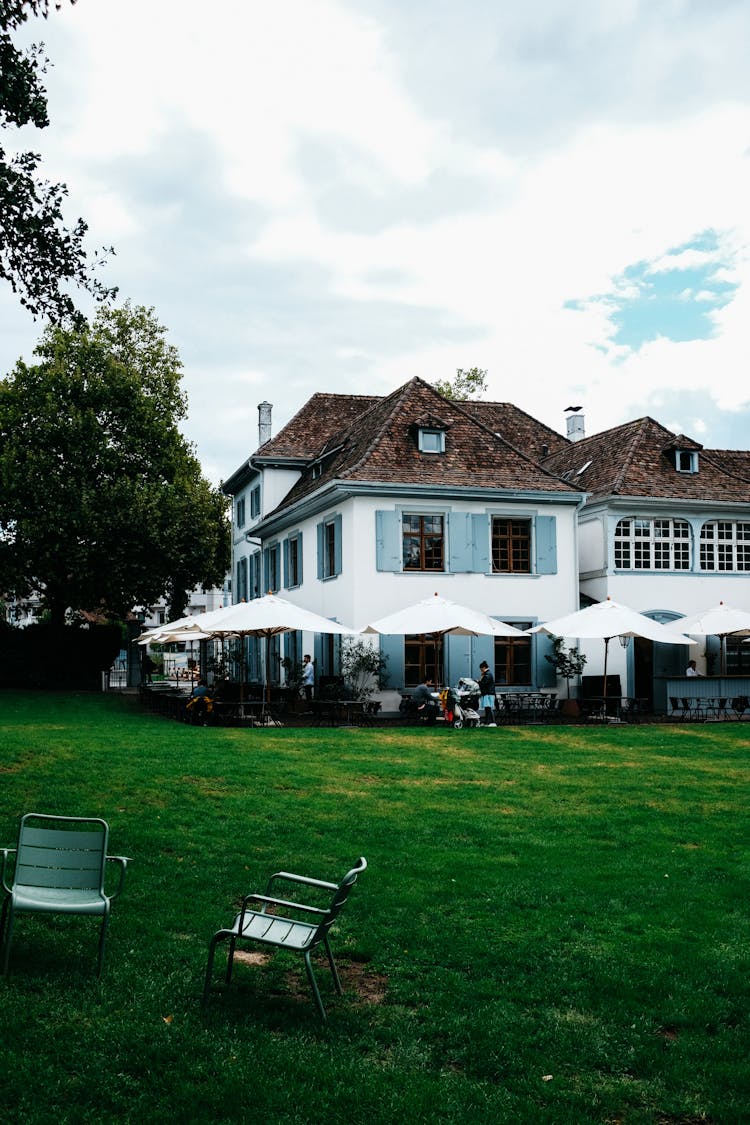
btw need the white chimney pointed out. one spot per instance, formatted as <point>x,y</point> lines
<point>575,423</point>
<point>264,422</point>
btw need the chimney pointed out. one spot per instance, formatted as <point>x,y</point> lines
<point>575,423</point>
<point>264,422</point>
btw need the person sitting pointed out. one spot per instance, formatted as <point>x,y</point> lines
<point>425,701</point>
<point>200,703</point>
<point>692,670</point>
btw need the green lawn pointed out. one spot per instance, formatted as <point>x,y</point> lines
<point>553,926</point>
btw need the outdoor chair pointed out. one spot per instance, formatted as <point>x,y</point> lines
<point>59,869</point>
<point>284,924</point>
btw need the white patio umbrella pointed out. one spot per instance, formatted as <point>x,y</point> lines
<point>608,619</point>
<point>262,617</point>
<point>173,633</point>
<point>720,621</point>
<point>439,616</point>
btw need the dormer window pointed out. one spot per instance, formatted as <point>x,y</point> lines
<point>686,460</point>
<point>431,441</point>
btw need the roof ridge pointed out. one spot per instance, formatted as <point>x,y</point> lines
<point>627,461</point>
<point>397,396</point>
<point>499,437</point>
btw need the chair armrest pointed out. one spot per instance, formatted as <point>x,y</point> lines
<point>304,880</point>
<point>123,861</point>
<point>6,852</point>
<point>267,900</point>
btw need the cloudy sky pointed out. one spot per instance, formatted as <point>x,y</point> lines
<point>320,195</point>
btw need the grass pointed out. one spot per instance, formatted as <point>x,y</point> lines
<point>553,926</point>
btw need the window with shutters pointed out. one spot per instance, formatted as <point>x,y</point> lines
<point>511,546</point>
<point>423,541</point>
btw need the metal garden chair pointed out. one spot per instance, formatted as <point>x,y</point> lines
<point>284,924</point>
<point>59,869</point>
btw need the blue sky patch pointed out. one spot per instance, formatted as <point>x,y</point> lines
<point>674,296</point>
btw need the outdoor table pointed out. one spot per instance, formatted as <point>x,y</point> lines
<point>602,708</point>
<point>251,712</point>
<point>533,704</point>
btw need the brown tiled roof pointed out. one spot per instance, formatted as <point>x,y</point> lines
<point>517,427</point>
<point>634,460</point>
<point>315,424</point>
<point>380,445</point>
<point>736,461</point>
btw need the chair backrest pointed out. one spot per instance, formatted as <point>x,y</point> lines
<point>340,895</point>
<point>63,852</point>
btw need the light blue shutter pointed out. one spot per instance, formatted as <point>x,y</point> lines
<point>299,558</point>
<point>460,542</point>
<point>321,543</point>
<point>480,538</point>
<point>388,542</point>
<point>546,545</point>
<point>337,548</point>
<point>286,564</point>
<point>393,649</point>
<point>545,672</point>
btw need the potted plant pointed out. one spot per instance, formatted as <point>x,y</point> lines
<point>363,668</point>
<point>567,663</point>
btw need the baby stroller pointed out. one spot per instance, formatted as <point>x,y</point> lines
<point>461,704</point>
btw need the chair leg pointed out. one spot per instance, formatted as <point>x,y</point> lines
<point>8,939</point>
<point>332,963</point>
<point>102,943</point>
<point>209,969</point>
<point>230,960</point>
<point>314,985</point>
<point>3,919</point>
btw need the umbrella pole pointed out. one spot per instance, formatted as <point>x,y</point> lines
<point>606,653</point>
<point>267,708</point>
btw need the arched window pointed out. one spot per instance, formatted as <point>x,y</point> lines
<point>652,544</point>
<point>725,545</point>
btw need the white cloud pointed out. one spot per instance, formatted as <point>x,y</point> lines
<point>387,216</point>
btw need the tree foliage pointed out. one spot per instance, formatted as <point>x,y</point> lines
<point>39,255</point>
<point>466,385</point>
<point>102,502</point>
<point>566,662</point>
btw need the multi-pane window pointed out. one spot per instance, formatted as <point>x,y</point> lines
<point>242,580</point>
<point>658,544</point>
<point>329,548</point>
<point>293,561</point>
<point>725,545</point>
<point>273,569</point>
<point>423,542</point>
<point>513,658</point>
<point>738,656</point>
<point>421,660</point>
<point>511,546</point>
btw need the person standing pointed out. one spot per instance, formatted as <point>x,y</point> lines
<point>308,677</point>
<point>487,694</point>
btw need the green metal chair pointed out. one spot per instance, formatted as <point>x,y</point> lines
<point>59,869</point>
<point>301,928</point>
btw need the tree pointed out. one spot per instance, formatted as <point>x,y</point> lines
<point>39,255</point>
<point>102,501</point>
<point>566,663</point>
<point>466,385</point>
<point>362,667</point>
